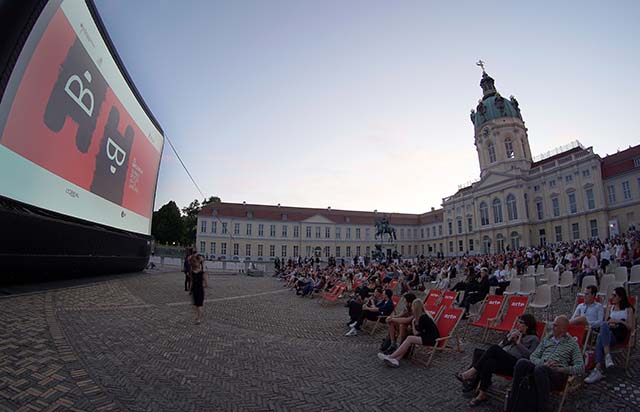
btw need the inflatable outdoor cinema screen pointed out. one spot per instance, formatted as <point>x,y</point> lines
<point>79,149</point>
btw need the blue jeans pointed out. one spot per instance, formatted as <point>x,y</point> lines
<point>605,338</point>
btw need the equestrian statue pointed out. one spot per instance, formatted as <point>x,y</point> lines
<point>382,227</point>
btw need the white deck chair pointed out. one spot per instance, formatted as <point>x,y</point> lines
<point>527,287</point>
<point>542,299</point>
<point>566,281</point>
<point>514,287</point>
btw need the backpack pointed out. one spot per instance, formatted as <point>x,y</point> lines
<point>523,398</point>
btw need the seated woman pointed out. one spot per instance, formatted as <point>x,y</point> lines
<point>619,323</point>
<point>500,358</point>
<point>398,325</point>
<point>425,333</point>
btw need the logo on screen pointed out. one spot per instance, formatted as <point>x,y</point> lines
<point>78,93</point>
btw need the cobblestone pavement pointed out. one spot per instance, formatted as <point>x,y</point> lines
<point>129,343</point>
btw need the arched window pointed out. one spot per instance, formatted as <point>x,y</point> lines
<point>512,209</point>
<point>508,147</point>
<point>499,243</point>
<point>486,245</point>
<point>492,152</point>
<point>484,214</point>
<point>515,241</point>
<point>497,211</point>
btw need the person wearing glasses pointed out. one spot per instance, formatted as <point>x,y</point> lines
<point>620,322</point>
<point>500,358</point>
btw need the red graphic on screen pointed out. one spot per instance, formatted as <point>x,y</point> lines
<point>67,120</point>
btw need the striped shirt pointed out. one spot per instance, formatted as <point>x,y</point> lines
<point>564,351</point>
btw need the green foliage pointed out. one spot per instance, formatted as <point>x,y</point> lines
<point>167,225</point>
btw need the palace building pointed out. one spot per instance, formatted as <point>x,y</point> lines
<point>568,194</point>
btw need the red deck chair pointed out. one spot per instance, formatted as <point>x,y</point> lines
<point>334,294</point>
<point>489,310</point>
<point>446,323</point>
<point>434,310</point>
<point>392,284</point>
<point>516,305</point>
<point>448,298</point>
<point>433,297</point>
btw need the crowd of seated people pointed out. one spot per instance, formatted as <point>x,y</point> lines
<point>520,354</point>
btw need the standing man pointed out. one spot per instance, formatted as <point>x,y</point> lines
<point>198,283</point>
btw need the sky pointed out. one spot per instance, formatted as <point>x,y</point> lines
<point>364,105</point>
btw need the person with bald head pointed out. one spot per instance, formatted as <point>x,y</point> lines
<point>548,366</point>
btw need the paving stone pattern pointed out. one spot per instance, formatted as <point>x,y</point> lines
<point>129,343</point>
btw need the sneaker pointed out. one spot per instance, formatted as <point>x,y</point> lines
<point>353,324</point>
<point>352,332</point>
<point>594,376</point>
<point>608,361</point>
<point>382,356</point>
<point>391,362</point>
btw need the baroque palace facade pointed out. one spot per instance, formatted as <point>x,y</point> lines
<point>570,194</point>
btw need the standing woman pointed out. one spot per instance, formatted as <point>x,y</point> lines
<point>620,321</point>
<point>198,283</point>
<point>425,333</point>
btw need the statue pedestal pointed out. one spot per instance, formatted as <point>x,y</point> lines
<point>387,248</point>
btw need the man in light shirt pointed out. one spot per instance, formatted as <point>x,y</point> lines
<point>589,313</point>
<point>589,267</point>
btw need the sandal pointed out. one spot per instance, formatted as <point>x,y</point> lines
<point>477,401</point>
<point>460,378</point>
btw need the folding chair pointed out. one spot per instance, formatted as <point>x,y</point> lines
<point>634,277</point>
<point>527,287</point>
<point>333,296</point>
<point>566,281</point>
<point>542,299</point>
<point>448,298</point>
<point>433,297</point>
<point>382,319</point>
<point>446,323</point>
<point>514,287</point>
<point>434,310</point>
<point>516,306</point>
<point>604,284</point>
<point>489,310</point>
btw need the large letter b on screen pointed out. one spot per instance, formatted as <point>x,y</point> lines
<point>78,93</point>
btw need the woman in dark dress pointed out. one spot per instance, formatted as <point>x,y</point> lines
<point>198,283</point>
<point>425,333</point>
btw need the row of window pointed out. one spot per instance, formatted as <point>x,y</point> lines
<point>284,250</point>
<point>309,231</point>
<point>575,232</point>
<point>567,179</point>
<point>496,204</point>
<point>626,192</point>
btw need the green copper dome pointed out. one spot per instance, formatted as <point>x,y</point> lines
<point>493,106</point>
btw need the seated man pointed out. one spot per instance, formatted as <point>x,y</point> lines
<point>398,325</point>
<point>556,357</point>
<point>371,311</point>
<point>589,267</point>
<point>589,313</point>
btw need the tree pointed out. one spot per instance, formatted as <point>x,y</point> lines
<point>167,225</point>
<point>190,218</point>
